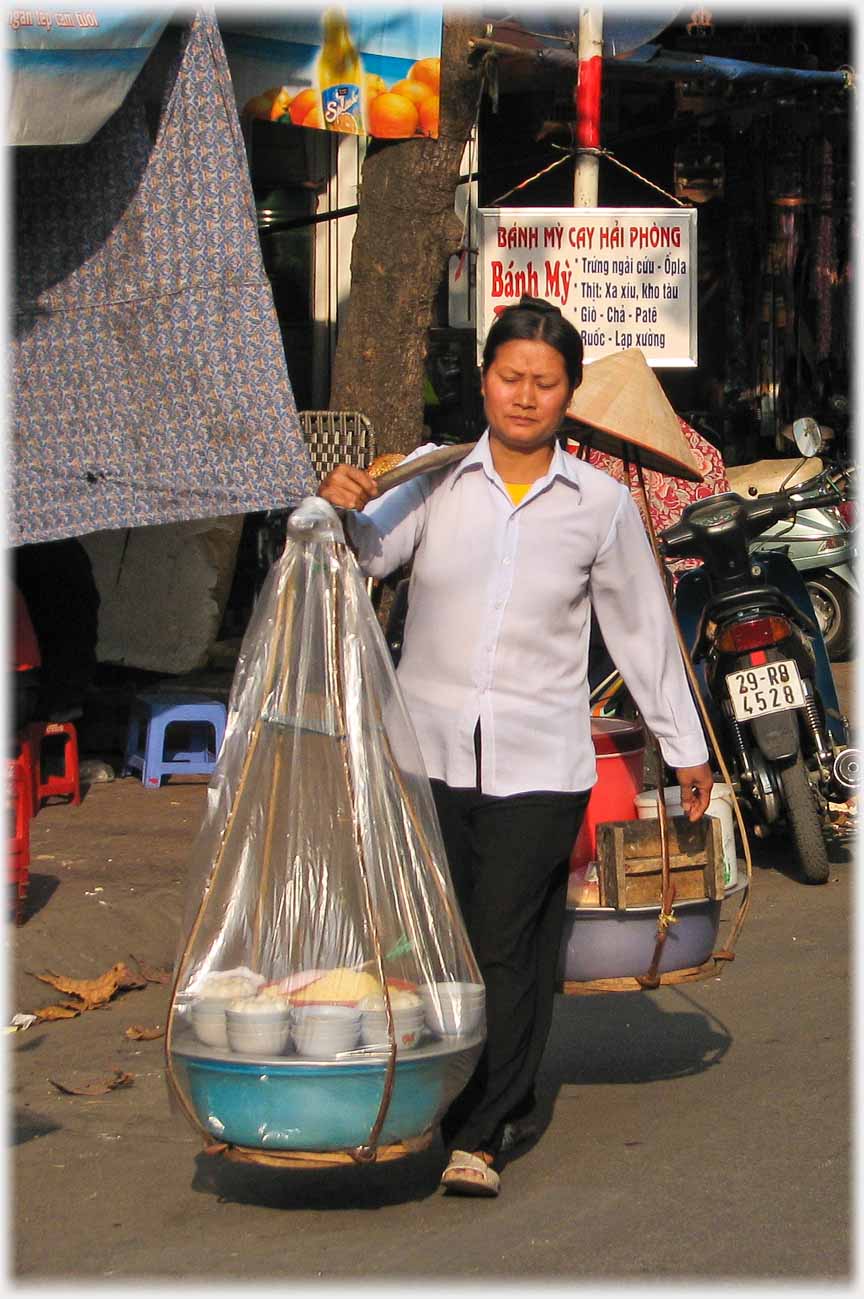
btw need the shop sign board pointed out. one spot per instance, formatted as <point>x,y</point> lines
<point>625,277</point>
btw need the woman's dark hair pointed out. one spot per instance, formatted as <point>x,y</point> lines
<point>534,318</point>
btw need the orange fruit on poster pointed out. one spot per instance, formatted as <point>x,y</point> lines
<point>428,71</point>
<point>260,105</point>
<point>430,115</point>
<point>314,118</point>
<point>302,104</point>
<point>392,117</point>
<point>416,91</point>
<point>280,103</point>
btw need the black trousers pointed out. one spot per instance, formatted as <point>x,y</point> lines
<point>508,859</point>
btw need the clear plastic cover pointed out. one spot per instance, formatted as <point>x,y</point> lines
<point>326,996</point>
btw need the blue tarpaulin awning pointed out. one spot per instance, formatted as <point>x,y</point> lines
<point>68,70</point>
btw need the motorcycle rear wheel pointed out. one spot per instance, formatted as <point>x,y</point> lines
<point>830,598</point>
<point>804,824</point>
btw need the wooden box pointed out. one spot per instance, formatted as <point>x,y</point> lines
<point>630,865</point>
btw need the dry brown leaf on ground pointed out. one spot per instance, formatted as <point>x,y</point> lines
<point>139,1034</point>
<point>57,1012</point>
<point>128,978</point>
<point>150,973</point>
<point>95,992</point>
<point>99,1087</point>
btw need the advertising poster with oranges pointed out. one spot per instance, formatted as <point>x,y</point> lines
<point>352,71</point>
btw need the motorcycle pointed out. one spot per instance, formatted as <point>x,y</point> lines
<point>817,541</point>
<point>761,660</point>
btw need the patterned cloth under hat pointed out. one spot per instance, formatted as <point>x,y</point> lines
<point>629,415</point>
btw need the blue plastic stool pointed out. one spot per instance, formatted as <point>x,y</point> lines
<point>150,717</point>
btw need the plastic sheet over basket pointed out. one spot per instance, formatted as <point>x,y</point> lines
<point>326,996</point>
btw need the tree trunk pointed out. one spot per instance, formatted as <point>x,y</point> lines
<point>406,231</point>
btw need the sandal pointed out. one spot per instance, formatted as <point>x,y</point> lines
<point>468,1174</point>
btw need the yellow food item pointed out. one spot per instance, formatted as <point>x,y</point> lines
<point>392,117</point>
<point>384,463</point>
<point>339,985</point>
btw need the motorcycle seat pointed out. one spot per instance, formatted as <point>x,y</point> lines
<point>770,475</point>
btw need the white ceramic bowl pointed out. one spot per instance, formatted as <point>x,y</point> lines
<point>407,1036</point>
<point>308,1041</point>
<point>325,1030</point>
<point>260,1032</point>
<point>454,1009</point>
<point>408,1025</point>
<point>208,1021</point>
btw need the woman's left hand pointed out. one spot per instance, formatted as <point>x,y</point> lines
<point>696,785</point>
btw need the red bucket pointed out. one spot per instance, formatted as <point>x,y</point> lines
<point>619,747</point>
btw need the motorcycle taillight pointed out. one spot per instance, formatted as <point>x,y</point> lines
<point>753,633</point>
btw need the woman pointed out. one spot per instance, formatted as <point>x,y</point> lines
<point>511,550</point>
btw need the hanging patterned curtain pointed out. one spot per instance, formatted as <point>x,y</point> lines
<point>149,377</point>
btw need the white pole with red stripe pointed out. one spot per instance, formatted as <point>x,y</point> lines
<point>587,102</point>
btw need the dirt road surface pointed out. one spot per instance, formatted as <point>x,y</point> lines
<point>697,1133</point>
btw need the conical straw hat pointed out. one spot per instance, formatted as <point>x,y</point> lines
<point>629,414</point>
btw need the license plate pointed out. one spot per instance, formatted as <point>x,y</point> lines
<point>769,688</point>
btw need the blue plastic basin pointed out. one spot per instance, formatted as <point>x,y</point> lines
<point>322,1107</point>
<point>600,943</point>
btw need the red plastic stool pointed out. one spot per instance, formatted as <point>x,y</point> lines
<point>619,748</point>
<point>68,784</point>
<point>25,762</point>
<point>18,803</point>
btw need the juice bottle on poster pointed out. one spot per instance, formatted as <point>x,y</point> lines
<point>340,76</point>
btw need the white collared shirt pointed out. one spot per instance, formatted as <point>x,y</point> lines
<point>498,619</point>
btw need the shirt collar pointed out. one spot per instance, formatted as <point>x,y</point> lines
<point>563,465</point>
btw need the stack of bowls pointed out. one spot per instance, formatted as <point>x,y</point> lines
<point>454,1009</point>
<point>258,1026</point>
<point>408,1023</point>
<point>324,1031</point>
<point>208,1017</point>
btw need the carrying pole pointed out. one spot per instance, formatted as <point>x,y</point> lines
<point>587,104</point>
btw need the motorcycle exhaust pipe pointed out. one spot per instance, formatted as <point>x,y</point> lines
<point>846,771</point>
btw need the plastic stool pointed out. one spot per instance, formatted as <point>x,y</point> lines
<point>26,762</point>
<point>18,803</point>
<point>67,785</point>
<point>151,716</point>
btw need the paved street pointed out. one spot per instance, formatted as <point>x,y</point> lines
<point>697,1133</point>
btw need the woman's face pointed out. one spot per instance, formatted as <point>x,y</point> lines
<point>526,392</point>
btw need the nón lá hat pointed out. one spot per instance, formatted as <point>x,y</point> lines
<point>629,415</point>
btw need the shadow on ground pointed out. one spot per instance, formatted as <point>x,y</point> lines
<point>348,1186</point>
